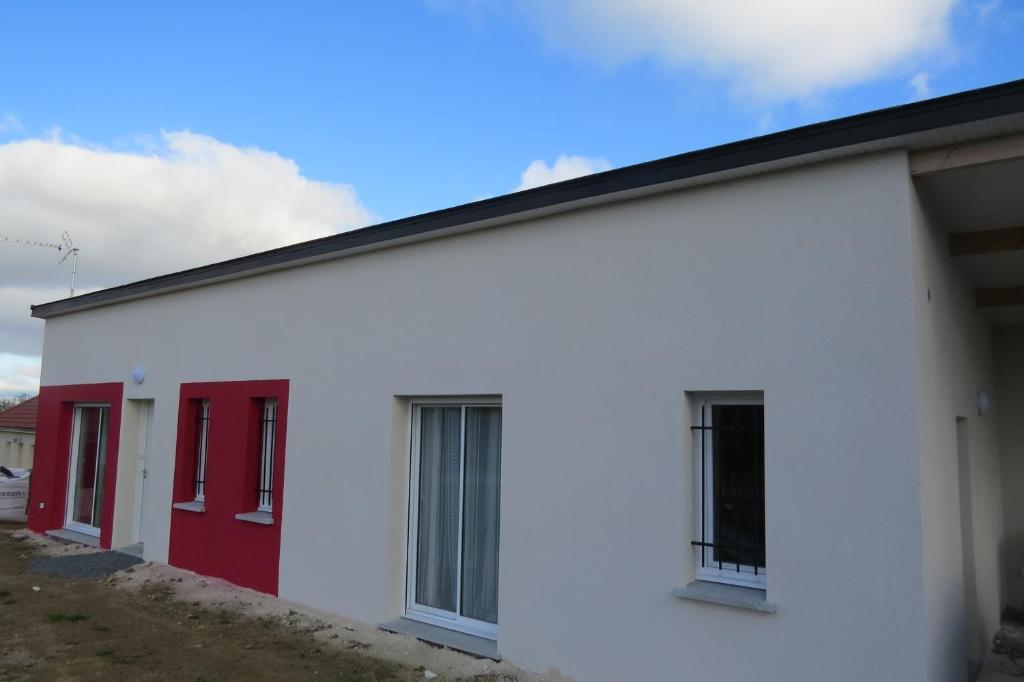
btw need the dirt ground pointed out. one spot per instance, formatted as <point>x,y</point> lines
<point>154,622</point>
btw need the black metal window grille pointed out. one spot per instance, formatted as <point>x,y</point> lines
<point>731,441</point>
<point>202,435</point>
<point>268,433</point>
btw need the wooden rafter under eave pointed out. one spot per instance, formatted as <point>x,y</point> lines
<point>998,297</point>
<point>986,241</point>
<point>967,154</point>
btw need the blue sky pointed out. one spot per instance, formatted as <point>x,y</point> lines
<point>419,106</point>
<point>378,110</point>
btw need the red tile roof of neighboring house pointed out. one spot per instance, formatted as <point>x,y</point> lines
<point>22,416</point>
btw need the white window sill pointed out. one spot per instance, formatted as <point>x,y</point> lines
<point>260,517</point>
<point>192,506</point>
<point>726,595</point>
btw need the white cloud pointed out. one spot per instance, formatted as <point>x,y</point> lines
<point>19,374</point>
<point>9,123</point>
<point>183,200</point>
<point>565,168</point>
<point>986,9</point>
<point>921,85</point>
<point>772,50</point>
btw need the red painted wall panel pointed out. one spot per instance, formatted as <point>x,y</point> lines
<point>213,542</point>
<point>52,459</point>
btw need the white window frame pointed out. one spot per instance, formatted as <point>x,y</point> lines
<point>76,424</point>
<point>746,576</point>
<point>204,451</point>
<point>427,614</point>
<point>265,500</point>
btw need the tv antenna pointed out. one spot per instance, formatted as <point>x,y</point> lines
<point>64,249</point>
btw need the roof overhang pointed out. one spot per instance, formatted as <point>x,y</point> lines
<point>26,430</point>
<point>974,115</point>
<point>972,192</point>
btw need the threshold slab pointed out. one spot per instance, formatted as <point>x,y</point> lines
<point>460,641</point>
<point>73,536</point>
<point>132,550</point>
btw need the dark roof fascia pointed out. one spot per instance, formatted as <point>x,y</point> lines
<point>940,112</point>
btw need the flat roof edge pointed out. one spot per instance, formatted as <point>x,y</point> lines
<point>963,107</point>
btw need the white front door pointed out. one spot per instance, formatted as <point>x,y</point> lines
<point>87,470</point>
<point>145,417</point>
<point>454,507</point>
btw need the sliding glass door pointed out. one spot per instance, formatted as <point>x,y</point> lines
<point>87,469</point>
<point>454,508</point>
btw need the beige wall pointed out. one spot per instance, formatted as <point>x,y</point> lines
<point>17,448</point>
<point>592,326</point>
<point>1009,400</point>
<point>954,361</point>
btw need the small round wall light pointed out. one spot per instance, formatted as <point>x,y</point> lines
<point>139,374</point>
<point>984,403</point>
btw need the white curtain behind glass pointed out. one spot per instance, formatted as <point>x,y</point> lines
<point>438,528</point>
<point>480,514</point>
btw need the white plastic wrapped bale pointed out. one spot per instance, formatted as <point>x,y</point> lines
<point>13,494</point>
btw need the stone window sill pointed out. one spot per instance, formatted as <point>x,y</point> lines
<point>192,506</point>
<point>726,595</point>
<point>261,517</point>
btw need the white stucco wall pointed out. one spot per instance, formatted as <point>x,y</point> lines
<point>954,362</point>
<point>592,326</point>
<point>17,447</point>
<point>1009,399</point>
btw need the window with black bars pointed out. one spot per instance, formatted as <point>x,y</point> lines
<point>268,434</point>
<point>202,436</point>
<point>730,439</point>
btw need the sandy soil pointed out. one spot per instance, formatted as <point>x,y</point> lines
<point>155,622</point>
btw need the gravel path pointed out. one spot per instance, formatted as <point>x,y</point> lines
<point>92,565</point>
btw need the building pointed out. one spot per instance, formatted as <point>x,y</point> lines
<point>18,434</point>
<point>750,412</point>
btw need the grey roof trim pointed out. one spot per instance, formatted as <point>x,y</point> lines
<point>965,107</point>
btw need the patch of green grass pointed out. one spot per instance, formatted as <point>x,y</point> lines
<point>130,659</point>
<point>66,617</point>
<point>121,659</point>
